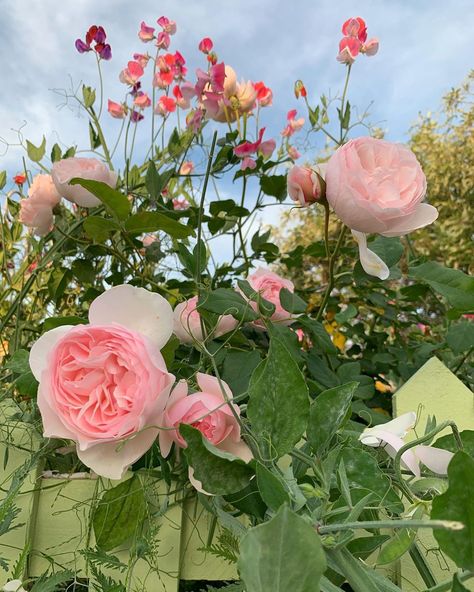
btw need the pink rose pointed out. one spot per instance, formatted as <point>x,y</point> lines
<point>208,411</point>
<point>269,285</point>
<point>36,211</point>
<point>187,322</point>
<point>378,186</point>
<point>84,168</point>
<point>104,385</point>
<point>305,186</point>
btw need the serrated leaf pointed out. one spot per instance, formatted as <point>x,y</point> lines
<point>219,472</point>
<point>116,203</point>
<point>119,514</point>
<point>153,221</point>
<point>51,583</point>
<point>279,404</point>
<point>282,554</point>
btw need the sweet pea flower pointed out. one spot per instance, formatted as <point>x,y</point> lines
<point>132,73</point>
<point>180,204</point>
<point>209,411</point>
<point>194,119</point>
<point>142,59</point>
<point>370,48</point>
<point>349,48</point>
<point>104,385</point>
<point>183,95</point>
<point>305,185</point>
<point>36,211</point>
<point>20,179</point>
<point>163,40</point>
<point>293,125</point>
<point>376,186</point>
<point>355,41</point>
<point>135,116</point>
<point>187,322</point>
<point>390,436</point>
<point>355,27</point>
<point>146,33</point>
<point>300,89</point>
<point>180,70</point>
<point>205,45</point>
<point>269,285</point>
<point>142,100</point>
<point>166,70</point>
<point>246,149</point>
<point>167,25</point>
<point>95,34</point>
<point>165,105</point>
<point>187,167</point>
<point>117,110</point>
<point>84,168</point>
<point>293,152</point>
<point>264,94</point>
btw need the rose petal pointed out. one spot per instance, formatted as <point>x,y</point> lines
<point>239,449</point>
<point>423,215</point>
<point>370,261</point>
<point>112,459</point>
<point>436,459</point>
<point>137,309</point>
<point>52,425</point>
<point>41,348</point>
<point>210,384</point>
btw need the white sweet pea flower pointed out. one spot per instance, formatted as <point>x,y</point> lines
<point>391,436</point>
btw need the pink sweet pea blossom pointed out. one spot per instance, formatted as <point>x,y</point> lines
<point>264,94</point>
<point>355,27</point>
<point>141,58</point>
<point>293,125</point>
<point>187,167</point>
<point>167,25</point>
<point>390,436</point>
<point>132,73</point>
<point>146,33</point>
<point>180,204</point>
<point>371,47</point>
<point>165,105</point>
<point>182,101</point>
<point>117,110</point>
<point>163,40</point>
<point>105,385</point>
<point>208,410</point>
<point>248,163</point>
<point>205,45</point>
<point>293,153</point>
<point>194,119</point>
<point>355,41</point>
<point>180,69</point>
<point>349,48</point>
<point>142,100</point>
<point>246,149</point>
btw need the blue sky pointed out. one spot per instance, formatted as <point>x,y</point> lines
<point>425,49</point>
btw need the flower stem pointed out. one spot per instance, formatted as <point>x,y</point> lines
<point>332,263</point>
<point>378,524</point>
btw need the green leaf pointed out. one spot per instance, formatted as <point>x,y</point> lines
<point>345,315</point>
<point>51,583</point>
<point>363,547</point>
<point>153,221</point>
<point>248,500</point>
<point>116,203</point>
<point>292,302</point>
<point>400,542</point>
<point>457,585</point>
<point>453,284</point>
<point>449,443</point>
<point>460,336</point>
<point>271,488</point>
<point>56,153</point>
<point>88,94</point>
<point>279,404</point>
<point>457,503</point>
<point>328,414</point>
<point>19,362</point>
<point>346,119</point>
<point>265,307</point>
<point>275,186</point>
<point>54,322</point>
<point>27,385</point>
<point>98,228</point>
<point>389,249</point>
<point>238,368</point>
<point>119,514</point>
<point>219,472</point>
<point>283,554</point>
<point>224,301</point>
<point>365,476</point>
<point>152,180</point>
<point>319,335</point>
<point>36,153</point>
<point>3,179</point>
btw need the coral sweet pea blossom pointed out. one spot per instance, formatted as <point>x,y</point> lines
<point>187,322</point>
<point>104,385</point>
<point>375,186</point>
<point>293,125</point>
<point>165,105</point>
<point>305,185</point>
<point>142,100</point>
<point>207,410</point>
<point>167,25</point>
<point>36,211</point>
<point>132,73</point>
<point>390,436</point>
<point>84,168</point>
<point>264,94</point>
<point>116,110</point>
<point>355,41</point>
<point>246,149</point>
<point>269,285</point>
<point>146,33</point>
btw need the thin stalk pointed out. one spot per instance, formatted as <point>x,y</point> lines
<point>422,566</point>
<point>378,524</point>
<point>447,585</point>
<point>344,92</point>
<point>239,226</point>
<point>332,263</point>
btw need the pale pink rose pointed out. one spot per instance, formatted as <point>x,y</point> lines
<point>378,186</point>
<point>305,186</point>
<point>187,322</point>
<point>84,168</point>
<point>187,167</point>
<point>36,211</point>
<point>209,412</point>
<point>105,385</point>
<point>117,110</point>
<point>269,285</point>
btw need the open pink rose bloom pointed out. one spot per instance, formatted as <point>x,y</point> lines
<point>104,385</point>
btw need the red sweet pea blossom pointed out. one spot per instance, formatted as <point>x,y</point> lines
<point>300,89</point>
<point>205,45</point>
<point>264,94</point>
<point>355,27</point>
<point>165,105</point>
<point>20,179</point>
<point>247,149</point>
